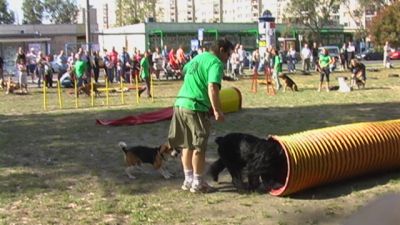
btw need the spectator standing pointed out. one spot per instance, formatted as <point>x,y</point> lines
<point>157,62</point>
<point>386,55</point>
<point>108,67</point>
<point>22,71</point>
<point>255,59</point>
<point>96,66</point>
<point>242,57</point>
<point>306,57</point>
<point>145,74</point>
<point>180,56</point>
<point>71,60</point>
<point>125,66</point>
<point>1,69</point>
<point>343,57</point>
<point>314,58</point>
<point>113,57</point>
<point>291,59</point>
<point>190,124</point>
<point>235,63</point>
<point>40,67</point>
<point>31,58</point>
<point>351,49</point>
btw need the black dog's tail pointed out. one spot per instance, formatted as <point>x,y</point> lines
<point>216,168</point>
<point>123,146</point>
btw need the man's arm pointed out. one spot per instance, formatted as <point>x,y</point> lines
<point>213,93</point>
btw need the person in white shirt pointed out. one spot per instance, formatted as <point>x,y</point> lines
<point>351,50</point>
<point>31,58</point>
<point>242,56</point>
<point>386,58</point>
<point>306,57</point>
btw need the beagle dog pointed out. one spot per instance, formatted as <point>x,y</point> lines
<point>135,156</point>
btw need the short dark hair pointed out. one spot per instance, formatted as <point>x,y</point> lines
<point>222,43</point>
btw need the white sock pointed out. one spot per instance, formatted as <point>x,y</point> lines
<point>188,175</point>
<point>197,179</point>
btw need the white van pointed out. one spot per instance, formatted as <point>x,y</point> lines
<point>332,50</point>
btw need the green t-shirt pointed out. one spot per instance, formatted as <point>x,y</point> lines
<point>324,60</point>
<point>80,68</point>
<point>144,65</point>
<point>277,64</point>
<point>199,72</point>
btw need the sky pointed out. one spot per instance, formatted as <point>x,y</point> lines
<point>16,6</point>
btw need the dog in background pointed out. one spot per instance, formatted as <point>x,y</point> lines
<point>247,155</point>
<point>9,85</point>
<point>288,82</point>
<point>137,155</point>
<point>87,89</point>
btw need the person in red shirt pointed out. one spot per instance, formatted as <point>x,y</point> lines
<point>173,62</point>
<point>180,56</point>
<point>113,56</point>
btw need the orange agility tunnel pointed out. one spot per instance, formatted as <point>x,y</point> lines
<point>331,154</point>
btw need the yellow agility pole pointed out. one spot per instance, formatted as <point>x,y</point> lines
<point>76,94</point>
<point>107,97</point>
<point>122,92</point>
<point>137,89</point>
<point>151,88</point>
<point>92,92</point>
<point>60,99</point>
<point>44,96</point>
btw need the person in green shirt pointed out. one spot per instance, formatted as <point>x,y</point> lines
<point>277,68</point>
<point>190,125</point>
<point>80,68</point>
<point>145,74</point>
<point>324,61</point>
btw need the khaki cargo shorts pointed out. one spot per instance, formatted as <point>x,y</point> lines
<point>189,129</point>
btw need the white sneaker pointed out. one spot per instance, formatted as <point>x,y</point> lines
<point>204,187</point>
<point>186,185</point>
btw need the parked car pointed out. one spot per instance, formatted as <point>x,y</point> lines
<point>370,54</point>
<point>332,50</point>
<point>395,54</point>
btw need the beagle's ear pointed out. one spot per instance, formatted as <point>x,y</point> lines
<point>165,148</point>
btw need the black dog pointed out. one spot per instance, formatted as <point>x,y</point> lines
<point>247,154</point>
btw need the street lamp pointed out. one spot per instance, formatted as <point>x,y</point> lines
<point>87,26</point>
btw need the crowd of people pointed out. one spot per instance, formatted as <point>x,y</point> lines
<point>81,66</point>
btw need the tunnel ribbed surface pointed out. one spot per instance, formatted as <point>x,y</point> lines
<point>330,154</point>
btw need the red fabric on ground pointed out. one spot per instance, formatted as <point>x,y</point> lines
<point>149,117</point>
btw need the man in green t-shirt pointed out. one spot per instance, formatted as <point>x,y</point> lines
<point>145,74</point>
<point>190,124</point>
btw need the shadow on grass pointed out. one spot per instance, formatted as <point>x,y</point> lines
<point>53,151</point>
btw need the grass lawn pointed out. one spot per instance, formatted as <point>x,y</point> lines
<point>58,167</point>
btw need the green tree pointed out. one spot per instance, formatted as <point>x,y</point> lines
<point>386,26</point>
<point>6,16</point>
<point>61,11</point>
<point>32,11</point>
<point>312,14</point>
<point>357,13</point>
<point>134,11</point>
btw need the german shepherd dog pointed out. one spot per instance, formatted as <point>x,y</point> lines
<point>288,82</point>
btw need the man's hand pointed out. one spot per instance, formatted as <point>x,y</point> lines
<point>219,116</point>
